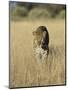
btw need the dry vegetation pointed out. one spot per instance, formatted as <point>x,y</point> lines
<point>25,70</point>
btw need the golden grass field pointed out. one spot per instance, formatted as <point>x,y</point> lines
<point>25,71</point>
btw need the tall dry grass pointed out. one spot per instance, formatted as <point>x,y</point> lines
<point>24,69</point>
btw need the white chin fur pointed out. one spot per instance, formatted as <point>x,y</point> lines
<point>40,52</point>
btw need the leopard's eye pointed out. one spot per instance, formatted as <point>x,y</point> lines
<point>34,33</point>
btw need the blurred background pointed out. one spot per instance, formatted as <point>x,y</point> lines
<point>28,10</point>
